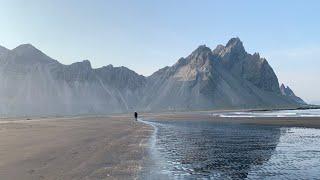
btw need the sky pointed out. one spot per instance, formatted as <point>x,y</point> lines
<point>146,35</point>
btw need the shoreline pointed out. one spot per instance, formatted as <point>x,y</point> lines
<point>307,122</point>
<point>95,147</point>
<point>128,114</point>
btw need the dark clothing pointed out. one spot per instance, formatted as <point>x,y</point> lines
<point>136,115</point>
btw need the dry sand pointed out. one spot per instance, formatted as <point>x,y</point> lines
<point>72,148</point>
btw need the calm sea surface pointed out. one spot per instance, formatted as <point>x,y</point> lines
<point>209,150</point>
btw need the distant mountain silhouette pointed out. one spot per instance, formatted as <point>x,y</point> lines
<point>227,77</point>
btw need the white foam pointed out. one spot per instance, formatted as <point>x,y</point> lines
<point>283,113</point>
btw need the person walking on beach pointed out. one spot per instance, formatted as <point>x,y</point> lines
<point>136,115</point>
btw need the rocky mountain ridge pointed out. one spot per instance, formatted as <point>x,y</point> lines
<point>286,91</point>
<point>226,77</point>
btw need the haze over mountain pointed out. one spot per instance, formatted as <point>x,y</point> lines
<point>227,77</point>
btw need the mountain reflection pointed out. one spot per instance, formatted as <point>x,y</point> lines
<point>202,149</point>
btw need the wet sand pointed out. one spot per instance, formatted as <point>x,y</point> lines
<point>72,148</point>
<point>308,122</point>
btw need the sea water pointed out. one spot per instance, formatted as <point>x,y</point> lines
<point>209,150</point>
<point>275,113</point>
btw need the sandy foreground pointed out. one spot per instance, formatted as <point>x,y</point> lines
<point>72,148</point>
<point>112,147</point>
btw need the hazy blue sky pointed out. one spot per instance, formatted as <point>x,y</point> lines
<point>147,35</point>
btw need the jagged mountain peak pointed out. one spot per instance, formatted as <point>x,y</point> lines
<point>201,52</point>
<point>234,41</point>
<point>218,49</point>
<point>199,56</point>
<point>25,48</point>
<point>256,55</point>
<point>235,45</point>
<point>119,68</point>
<point>86,62</point>
<point>253,68</point>
<point>110,66</point>
<point>85,65</point>
<point>226,77</point>
<point>27,53</point>
<point>201,49</point>
<point>288,92</point>
<point>234,48</point>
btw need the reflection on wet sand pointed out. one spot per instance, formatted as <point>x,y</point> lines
<point>188,149</point>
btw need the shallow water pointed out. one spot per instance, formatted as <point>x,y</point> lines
<point>210,150</point>
<point>276,113</point>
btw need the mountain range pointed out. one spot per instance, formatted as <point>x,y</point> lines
<point>226,77</point>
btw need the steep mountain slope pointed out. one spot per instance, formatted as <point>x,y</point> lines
<point>33,84</point>
<point>227,77</point>
<point>238,62</point>
<point>178,87</point>
<point>286,91</point>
